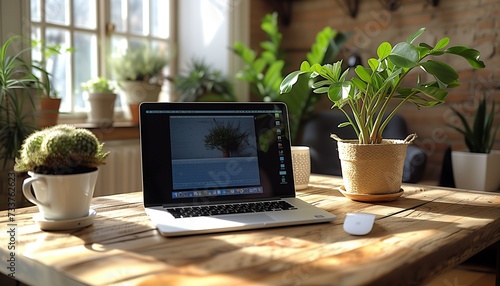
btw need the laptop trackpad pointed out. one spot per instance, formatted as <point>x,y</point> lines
<point>248,218</point>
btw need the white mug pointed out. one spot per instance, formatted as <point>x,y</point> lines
<point>61,197</point>
<point>301,161</point>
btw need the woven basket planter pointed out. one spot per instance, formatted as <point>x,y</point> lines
<point>373,169</point>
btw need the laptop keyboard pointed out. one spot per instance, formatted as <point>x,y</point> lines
<point>182,212</point>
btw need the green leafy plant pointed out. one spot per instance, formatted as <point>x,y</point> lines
<point>140,63</point>
<point>264,71</point>
<point>97,85</point>
<point>225,138</point>
<point>203,83</point>
<point>369,93</point>
<point>480,135</point>
<point>60,149</point>
<point>17,87</point>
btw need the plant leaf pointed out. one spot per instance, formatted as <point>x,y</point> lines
<point>441,71</point>
<point>438,95</point>
<point>415,36</point>
<point>359,84</point>
<point>363,74</point>
<point>471,55</point>
<point>404,55</point>
<point>305,66</point>
<point>344,124</point>
<point>373,63</point>
<point>319,48</point>
<point>442,43</point>
<point>321,90</point>
<point>320,83</point>
<point>478,125</point>
<point>339,91</point>
<point>288,82</point>
<point>273,76</point>
<point>384,50</point>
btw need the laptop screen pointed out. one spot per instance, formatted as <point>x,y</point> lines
<point>196,153</point>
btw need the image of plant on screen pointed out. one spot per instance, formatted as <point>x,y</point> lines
<point>226,138</point>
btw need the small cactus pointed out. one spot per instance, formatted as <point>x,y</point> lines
<point>61,149</point>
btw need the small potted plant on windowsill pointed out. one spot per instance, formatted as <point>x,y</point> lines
<point>139,72</point>
<point>365,100</point>
<point>101,96</point>
<point>477,168</point>
<point>62,162</point>
<point>50,102</point>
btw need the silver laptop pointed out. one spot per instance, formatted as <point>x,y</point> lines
<point>213,167</point>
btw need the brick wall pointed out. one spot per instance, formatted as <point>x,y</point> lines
<point>472,23</point>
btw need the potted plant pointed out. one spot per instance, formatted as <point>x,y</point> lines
<point>50,102</point>
<point>366,100</point>
<point>225,138</point>
<point>265,71</point>
<point>62,162</point>
<point>101,96</point>
<point>203,83</point>
<point>18,107</point>
<point>18,99</point>
<point>140,74</point>
<point>477,168</point>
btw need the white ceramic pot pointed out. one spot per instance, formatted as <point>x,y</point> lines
<point>61,197</point>
<point>476,171</point>
<point>102,105</point>
<point>137,92</point>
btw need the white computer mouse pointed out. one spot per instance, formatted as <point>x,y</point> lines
<point>358,223</point>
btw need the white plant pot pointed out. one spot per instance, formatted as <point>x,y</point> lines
<point>138,91</point>
<point>61,197</point>
<point>102,105</point>
<point>476,171</point>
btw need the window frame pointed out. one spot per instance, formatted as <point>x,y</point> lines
<point>103,38</point>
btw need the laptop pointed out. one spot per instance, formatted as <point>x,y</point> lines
<point>214,167</point>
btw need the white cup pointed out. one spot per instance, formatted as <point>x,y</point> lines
<point>61,197</point>
<point>301,162</point>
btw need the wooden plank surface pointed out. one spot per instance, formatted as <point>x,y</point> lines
<point>416,237</point>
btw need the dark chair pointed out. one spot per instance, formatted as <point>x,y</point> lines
<point>324,157</point>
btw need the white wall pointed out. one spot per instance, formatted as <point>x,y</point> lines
<point>12,21</point>
<point>203,32</point>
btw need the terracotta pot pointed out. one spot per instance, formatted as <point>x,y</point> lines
<point>134,110</point>
<point>49,111</point>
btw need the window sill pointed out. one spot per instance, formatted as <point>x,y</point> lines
<point>121,129</point>
<point>118,131</point>
<point>124,130</point>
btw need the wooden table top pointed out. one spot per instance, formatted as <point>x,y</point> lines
<point>414,238</point>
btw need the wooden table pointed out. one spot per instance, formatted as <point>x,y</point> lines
<point>416,237</point>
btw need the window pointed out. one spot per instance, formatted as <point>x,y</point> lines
<point>94,30</point>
